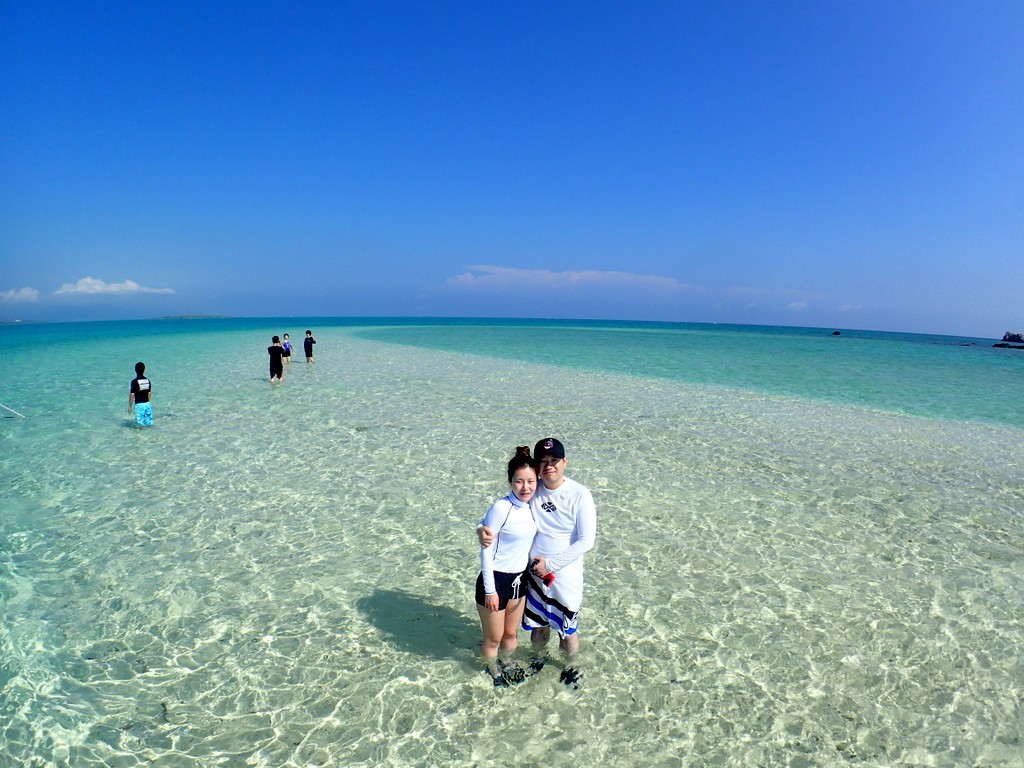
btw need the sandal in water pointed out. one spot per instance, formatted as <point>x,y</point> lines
<point>572,677</point>
<point>513,673</point>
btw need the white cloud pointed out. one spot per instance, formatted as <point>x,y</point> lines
<point>793,299</point>
<point>851,308</point>
<point>778,294</point>
<point>488,278</point>
<point>746,291</point>
<point>90,285</point>
<point>19,294</point>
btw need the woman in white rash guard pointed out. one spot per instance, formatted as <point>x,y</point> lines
<point>501,585</point>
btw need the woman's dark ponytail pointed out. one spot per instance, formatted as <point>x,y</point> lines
<point>520,460</point>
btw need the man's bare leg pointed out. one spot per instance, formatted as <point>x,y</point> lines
<point>570,645</point>
<point>539,642</point>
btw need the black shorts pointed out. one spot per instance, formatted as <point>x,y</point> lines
<point>509,586</point>
<point>276,369</point>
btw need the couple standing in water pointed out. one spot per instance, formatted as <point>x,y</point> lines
<point>531,562</point>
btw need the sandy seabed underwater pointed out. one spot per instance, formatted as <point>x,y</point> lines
<point>282,576</point>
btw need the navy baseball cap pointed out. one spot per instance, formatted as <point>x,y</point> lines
<point>549,446</point>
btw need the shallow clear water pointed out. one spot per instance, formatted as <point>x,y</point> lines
<point>933,376</point>
<point>283,575</point>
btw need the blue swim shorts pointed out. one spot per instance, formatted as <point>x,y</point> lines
<point>144,414</point>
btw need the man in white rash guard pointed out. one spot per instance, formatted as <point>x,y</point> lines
<point>566,529</point>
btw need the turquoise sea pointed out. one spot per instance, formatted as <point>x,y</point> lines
<point>810,546</point>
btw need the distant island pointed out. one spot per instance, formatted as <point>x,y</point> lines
<point>1011,340</point>
<point>197,317</point>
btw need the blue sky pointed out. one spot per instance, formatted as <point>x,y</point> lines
<point>834,164</point>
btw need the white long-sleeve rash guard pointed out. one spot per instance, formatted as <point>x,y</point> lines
<point>514,529</point>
